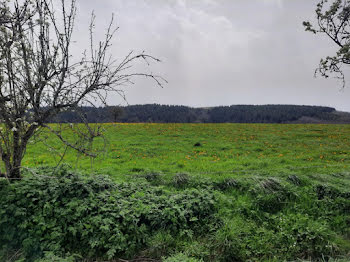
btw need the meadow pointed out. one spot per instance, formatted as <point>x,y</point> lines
<point>184,192</point>
<point>223,151</point>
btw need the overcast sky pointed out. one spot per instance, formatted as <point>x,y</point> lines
<point>220,52</point>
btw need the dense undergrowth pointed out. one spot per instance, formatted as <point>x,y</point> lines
<point>65,216</point>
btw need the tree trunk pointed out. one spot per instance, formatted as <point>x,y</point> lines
<point>13,168</point>
<point>15,173</point>
<point>13,159</point>
<point>7,163</point>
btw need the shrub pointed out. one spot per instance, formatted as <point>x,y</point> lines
<point>151,177</point>
<point>227,184</point>
<point>271,196</point>
<point>325,191</point>
<point>181,179</point>
<point>67,213</point>
<point>303,237</point>
<point>286,237</point>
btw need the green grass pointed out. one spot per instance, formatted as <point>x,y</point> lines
<point>282,192</point>
<point>227,150</point>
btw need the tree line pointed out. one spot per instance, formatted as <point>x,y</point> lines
<point>155,113</point>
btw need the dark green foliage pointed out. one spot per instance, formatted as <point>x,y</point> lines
<point>181,114</point>
<point>324,191</point>
<point>68,214</point>
<point>286,237</point>
<point>227,184</point>
<point>319,203</point>
<point>160,244</point>
<point>68,217</point>
<point>264,113</point>
<point>271,196</point>
<point>137,170</point>
<point>301,236</point>
<point>152,176</point>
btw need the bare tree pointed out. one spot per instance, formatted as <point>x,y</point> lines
<point>333,20</point>
<point>39,77</point>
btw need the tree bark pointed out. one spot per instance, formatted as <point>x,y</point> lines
<point>13,167</point>
<point>15,173</point>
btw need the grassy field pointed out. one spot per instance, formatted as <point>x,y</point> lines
<point>226,150</point>
<point>189,193</point>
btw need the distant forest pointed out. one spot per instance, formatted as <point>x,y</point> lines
<point>155,113</point>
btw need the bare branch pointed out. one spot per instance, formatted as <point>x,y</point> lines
<point>39,79</point>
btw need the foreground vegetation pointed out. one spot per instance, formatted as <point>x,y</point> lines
<point>186,193</point>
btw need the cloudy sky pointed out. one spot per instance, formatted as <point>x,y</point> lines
<point>219,52</point>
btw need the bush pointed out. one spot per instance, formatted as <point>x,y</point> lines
<point>69,214</point>
<point>325,191</point>
<point>271,196</point>
<point>152,177</point>
<point>286,237</point>
<point>301,236</point>
<point>227,184</point>
<point>181,180</point>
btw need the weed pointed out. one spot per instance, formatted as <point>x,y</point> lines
<point>181,180</point>
<point>227,184</point>
<point>294,179</point>
<point>271,185</point>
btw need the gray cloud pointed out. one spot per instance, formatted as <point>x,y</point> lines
<point>219,52</point>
